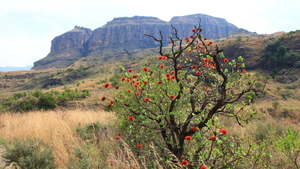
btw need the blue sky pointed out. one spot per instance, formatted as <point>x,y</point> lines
<point>28,26</point>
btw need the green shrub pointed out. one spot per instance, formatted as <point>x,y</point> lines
<point>46,102</point>
<point>27,105</point>
<point>19,95</point>
<point>90,131</point>
<point>30,153</point>
<point>87,156</point>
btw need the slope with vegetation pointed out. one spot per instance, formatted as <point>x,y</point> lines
<point>79,134</point>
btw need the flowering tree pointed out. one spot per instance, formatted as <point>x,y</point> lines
<point>175,102</point>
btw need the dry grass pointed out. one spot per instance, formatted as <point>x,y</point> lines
<point>55,127</point>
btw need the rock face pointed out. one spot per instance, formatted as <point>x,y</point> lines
<point>213,27</point>
<point>75,38</point>
<point>65,49</point>
<point>126,34</point>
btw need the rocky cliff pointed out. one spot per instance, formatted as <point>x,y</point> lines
<point>125,34</point>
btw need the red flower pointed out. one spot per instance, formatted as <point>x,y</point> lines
<point>145,69</point>
<point>112,102</point>
<point>160,57</point>
<point>198,73</point>
<point>194,67</point>
<point>195,129</point>
<point>110,105</point>
<point>203,167</point>
<point>130,118</point>
<point>168,75</point>
<point>172,96</point>
<point>164,57</point>
<point>206,60</point>
<point>188,138</point>
<point>187,40</point>
<point>192,36</point>
<point>223,131</point>
<point>130,70</point>
<point>137,93</point>
<point>213,138</point>
<point>103,98</point>
<point>159,82</point>
<point>106,85</point>
<point>205,39</point>
<point>128,91</point>
<point>168,78</point>
<point>118,138</point>
<point>136,85</point>
<point>190,51</point>
<point>173,77</point>
<point>226,60</point>
<point>135,76</point>
<point>123,79</point>
<point>140,89</point>
<point>139,146</point>
<point>145,82</point>
<point>147,99</point>
<point>172,72</point>
<point>244,70</point>
<point>210,43</point>
<point>194,30</point>
<point>179,66</point>
<point>184,162</point>
<point>206,88</point>
<point>162,66</point>
<point>120,134</point>
<point>172,42</point>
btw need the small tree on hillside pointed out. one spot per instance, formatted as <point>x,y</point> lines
<point>176,100</point>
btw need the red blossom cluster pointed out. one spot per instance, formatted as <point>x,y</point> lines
<point>223,131</point>
<point>188,138</point>
<point>184,162</point>
<point>139,146</point>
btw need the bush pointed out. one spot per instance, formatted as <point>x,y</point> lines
<point>46,102</point>
<point>90,131</point>
<point>30,153</point>
<point>175,102</point>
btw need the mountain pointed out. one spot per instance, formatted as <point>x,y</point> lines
<point>11,68</point>
<point>126,34</point>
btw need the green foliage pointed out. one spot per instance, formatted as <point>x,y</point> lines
<point>178,96</point>
<point>19,95</point>
<point>30,153</point>
<point>278,57</point>
<point>89,131</point>
<point>88,155</point>
<point>239,39</point>
<point>23,102</point>
<point>37,94</point>
<point>289,145</point>
<point>275,105</point>
<point>115,80</point>
<point>46,102</point>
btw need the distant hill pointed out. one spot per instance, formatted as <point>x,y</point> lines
<point>125,34</point>
<point>11,68</point>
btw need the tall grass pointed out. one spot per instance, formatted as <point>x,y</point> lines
<point>56,128</point>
